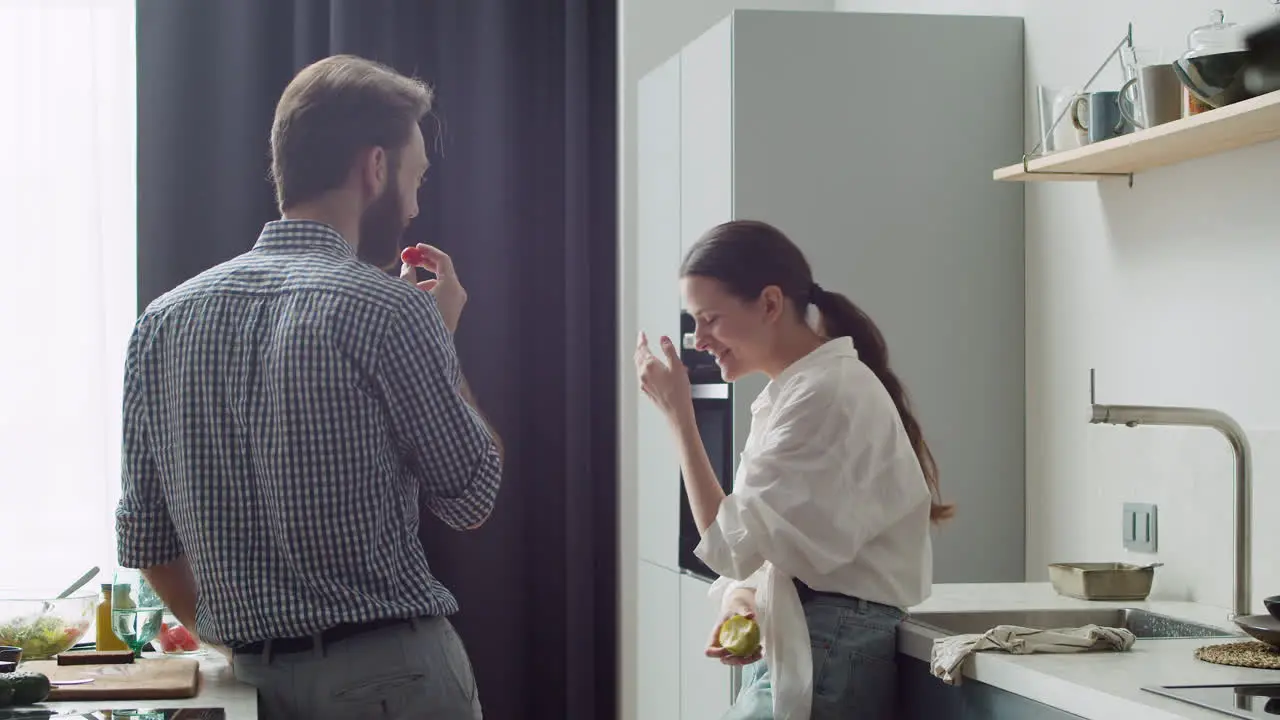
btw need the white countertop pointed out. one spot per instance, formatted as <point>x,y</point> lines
<point>1094,685</point>
<point>218,689</point>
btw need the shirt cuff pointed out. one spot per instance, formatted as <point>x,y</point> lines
<point>725,546</point>
<point>473,506</point>
<point>146,537</point>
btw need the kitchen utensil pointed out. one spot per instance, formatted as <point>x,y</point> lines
<point>1101,117</point>
<point>43,633</point>
<point>79,583</point>
<point>1261,627</point>
<point>1103,581</point>
<point>1213,67</point>
<point>152,679</point>
<point>79,681</point>
<point>90,574</point>
<point>1272,604</point>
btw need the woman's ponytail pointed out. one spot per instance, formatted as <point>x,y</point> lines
<point>841,318</point>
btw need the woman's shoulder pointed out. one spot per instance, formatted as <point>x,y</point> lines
<point>848,382</point>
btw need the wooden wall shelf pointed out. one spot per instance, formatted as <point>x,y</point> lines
<point>1249,122</point>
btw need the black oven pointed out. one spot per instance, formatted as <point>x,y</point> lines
<point>713,410</point>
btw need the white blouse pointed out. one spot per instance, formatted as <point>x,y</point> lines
<point>829,491</point>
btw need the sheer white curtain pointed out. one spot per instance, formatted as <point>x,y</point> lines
<point>67,281</point>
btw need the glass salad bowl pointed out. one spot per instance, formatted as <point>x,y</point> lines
<point>44,627</point>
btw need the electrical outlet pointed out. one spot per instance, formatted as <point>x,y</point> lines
<point>1140,527</point>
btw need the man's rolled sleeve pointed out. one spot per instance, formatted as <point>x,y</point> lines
<point>145,533</point>
<point>475,503</point>
<point>447,443</point>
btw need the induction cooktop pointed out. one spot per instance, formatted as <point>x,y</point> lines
<point>1258,700</point>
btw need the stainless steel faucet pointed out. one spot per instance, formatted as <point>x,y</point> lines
<point>1135,415</point>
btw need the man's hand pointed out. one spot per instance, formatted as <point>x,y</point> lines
<point>445,286</point>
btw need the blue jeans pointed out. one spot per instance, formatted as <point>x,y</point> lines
<point>855,670</point>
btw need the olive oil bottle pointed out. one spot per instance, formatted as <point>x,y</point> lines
<point>105,638</point>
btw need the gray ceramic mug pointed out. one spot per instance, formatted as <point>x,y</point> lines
<point>1158,93</point>
<point>1101,116</point>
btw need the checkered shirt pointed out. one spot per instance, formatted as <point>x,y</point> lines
<point>284,415</point>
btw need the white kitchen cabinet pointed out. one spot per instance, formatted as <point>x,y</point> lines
<point>658,643</point>
<point>704,682</point>
<point>658,262</point>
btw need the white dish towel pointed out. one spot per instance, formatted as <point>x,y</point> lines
<point>950,652</point>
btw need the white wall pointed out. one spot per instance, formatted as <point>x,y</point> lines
<point>650,32</point>
<point>1168,289</point>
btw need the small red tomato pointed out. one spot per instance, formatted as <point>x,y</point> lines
<point>412,256</point>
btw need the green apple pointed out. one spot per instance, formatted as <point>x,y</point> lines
<point>740,635</point>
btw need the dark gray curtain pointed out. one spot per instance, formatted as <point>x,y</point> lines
<point>522,194</point>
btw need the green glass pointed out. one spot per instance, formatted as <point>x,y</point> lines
<point>136,610</point>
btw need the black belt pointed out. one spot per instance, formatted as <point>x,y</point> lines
<point>334,634</point>
<point>807,593</point>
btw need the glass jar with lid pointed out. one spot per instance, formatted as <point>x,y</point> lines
<point>1213,67</point>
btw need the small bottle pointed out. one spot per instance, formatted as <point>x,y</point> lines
<point>105,638</point>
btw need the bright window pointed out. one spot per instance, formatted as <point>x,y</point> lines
<point>67,281</point>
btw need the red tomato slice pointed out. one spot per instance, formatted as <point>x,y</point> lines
<point>183,639</point>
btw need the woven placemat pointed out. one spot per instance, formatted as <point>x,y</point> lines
<point>1251,654</point>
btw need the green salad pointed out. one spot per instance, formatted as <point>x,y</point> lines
<point>44,638</point>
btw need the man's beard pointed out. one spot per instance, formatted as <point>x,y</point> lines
<point>382,228</point>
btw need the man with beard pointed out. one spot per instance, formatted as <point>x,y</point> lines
<point>287,412</point>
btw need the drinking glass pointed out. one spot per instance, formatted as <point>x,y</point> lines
<point>136,610</point>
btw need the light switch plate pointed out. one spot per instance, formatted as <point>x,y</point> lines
<point>1140,527</point>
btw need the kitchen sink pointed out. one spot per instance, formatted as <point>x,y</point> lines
<point>1141,623</point>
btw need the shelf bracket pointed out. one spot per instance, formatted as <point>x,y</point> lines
<point>1126,41</point>
<point>1027,169</point>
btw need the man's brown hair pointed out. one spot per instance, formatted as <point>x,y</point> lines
<point>332,110</point>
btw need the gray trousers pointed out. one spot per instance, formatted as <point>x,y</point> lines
<point>417,670</point>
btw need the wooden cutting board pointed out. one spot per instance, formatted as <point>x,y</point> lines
<point>143,679</point>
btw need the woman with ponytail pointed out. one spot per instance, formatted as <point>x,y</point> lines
<point>825,537</point>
